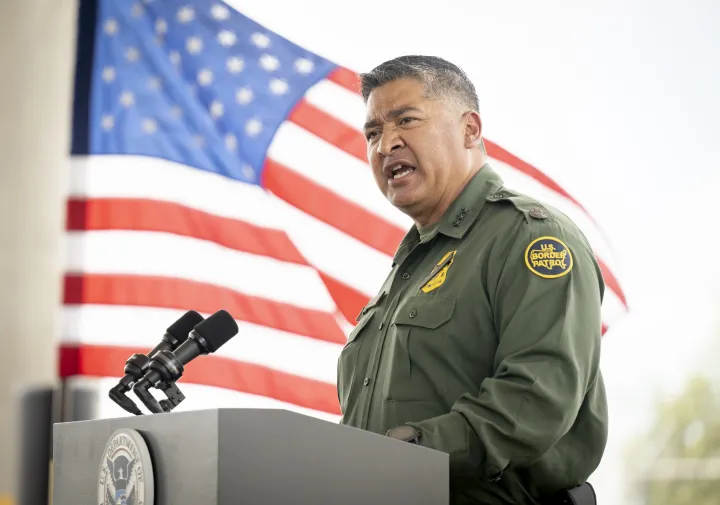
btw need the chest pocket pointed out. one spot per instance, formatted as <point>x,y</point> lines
<point>425,312</point>
<point>350,358</point>
<point>417,369</point>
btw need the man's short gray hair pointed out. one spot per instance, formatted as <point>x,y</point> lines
<point>441,78</point>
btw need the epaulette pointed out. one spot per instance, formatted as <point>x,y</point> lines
<point>529,207</point>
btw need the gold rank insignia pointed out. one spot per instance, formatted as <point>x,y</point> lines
<point>548,257</point>
<point>439,272</point>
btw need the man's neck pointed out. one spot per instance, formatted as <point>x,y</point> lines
<point>437,213</point>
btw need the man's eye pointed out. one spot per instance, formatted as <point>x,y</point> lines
<point>406,120</point>
<point>370,135</point>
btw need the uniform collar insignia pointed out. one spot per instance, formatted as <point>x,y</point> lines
<point>467,206</point>
<point>461,214</point>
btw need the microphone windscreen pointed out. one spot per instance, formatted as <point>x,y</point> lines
<point>217,329</point>
<point>180,328</point>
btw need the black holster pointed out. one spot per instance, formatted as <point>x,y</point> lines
<point>583,494</point>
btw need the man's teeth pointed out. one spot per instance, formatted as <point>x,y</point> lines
<point>402,172</point>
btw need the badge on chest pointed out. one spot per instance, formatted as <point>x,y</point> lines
<point>437,276</point>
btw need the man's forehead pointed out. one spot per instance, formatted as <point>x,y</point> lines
<point>386,110</point>
<point>399,93</point>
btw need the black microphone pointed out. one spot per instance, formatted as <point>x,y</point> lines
<point>137,365</point>
<point>167,366</point>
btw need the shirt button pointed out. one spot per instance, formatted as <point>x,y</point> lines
<point>380,327</point>
<point>366,381</point>
<point>406,276</point>
<point>413,313</point>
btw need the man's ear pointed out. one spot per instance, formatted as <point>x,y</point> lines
<point>473,130</point>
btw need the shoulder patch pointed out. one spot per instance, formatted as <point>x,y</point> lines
<point>548,257</point>
<point>538,213</point>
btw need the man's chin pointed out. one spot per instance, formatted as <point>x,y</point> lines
<point>405,203</point>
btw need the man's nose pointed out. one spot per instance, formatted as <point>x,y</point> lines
<point>389,142</point>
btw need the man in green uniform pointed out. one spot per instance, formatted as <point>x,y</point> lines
<point>484,340</point>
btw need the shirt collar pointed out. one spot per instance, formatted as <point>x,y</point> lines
<point>461,214</point>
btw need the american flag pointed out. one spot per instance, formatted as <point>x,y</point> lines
<point>216,164</point>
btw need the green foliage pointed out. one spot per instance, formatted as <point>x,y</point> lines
<point>687,428</point>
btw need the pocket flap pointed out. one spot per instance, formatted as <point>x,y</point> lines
<point>371,304</point>
<point>427,312</point>
<point>359,327</point>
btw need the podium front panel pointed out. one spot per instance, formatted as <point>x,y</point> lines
<point>244,456</point>
<point>183,447</point>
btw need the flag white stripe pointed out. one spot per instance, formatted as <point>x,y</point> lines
<point>112,176</point>
<point>336,253</point>
<point>334,169</point>
<point>339,102</point>
<point>165,254</point>
<point>119,325</point>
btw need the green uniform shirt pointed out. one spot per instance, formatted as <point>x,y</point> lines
<point>486,337</point>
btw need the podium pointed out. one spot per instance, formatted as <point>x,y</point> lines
<point>239,456</point>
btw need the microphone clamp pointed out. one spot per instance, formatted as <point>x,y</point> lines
<point>136,365</point>
<point>172,392</point>
<point>168,370</point>
<point>134,370</point>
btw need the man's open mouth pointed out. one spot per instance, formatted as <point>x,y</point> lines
<point>401,171</point>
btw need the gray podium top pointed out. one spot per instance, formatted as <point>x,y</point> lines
<point>252,456</point>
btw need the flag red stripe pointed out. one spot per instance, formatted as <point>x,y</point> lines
<point>182,294</point>
<point>330,129</point>
<point>107,361</point>
<point>169,217</point>
<point>331,208</point>
<point>151,215</point>
<point>350,301</point>
<point>346,78</point>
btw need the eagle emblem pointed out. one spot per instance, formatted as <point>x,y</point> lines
<point>125,472</point>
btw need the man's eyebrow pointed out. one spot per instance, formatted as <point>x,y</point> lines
<point>372,123</point>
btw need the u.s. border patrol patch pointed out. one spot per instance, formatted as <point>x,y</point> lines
<point>548,257</point>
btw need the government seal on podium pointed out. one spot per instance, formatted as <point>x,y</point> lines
<point>126,474</point>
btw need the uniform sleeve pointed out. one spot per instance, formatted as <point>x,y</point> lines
<point>549,327</point>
